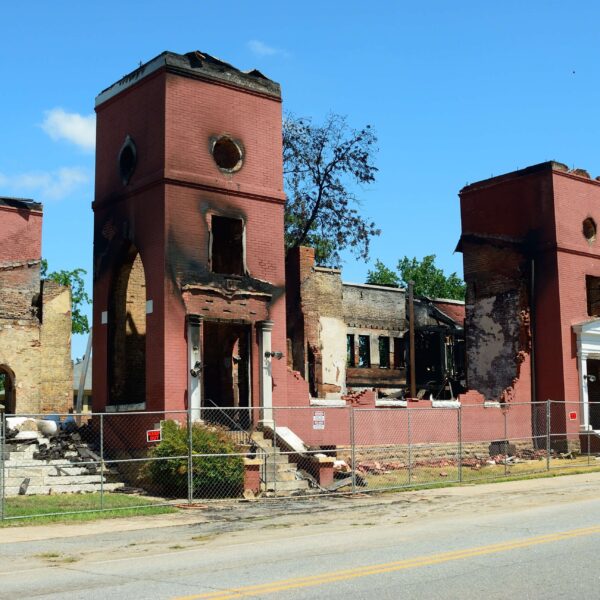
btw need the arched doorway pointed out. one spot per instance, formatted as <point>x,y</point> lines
<point>7,389</point>
<point>127,332</point>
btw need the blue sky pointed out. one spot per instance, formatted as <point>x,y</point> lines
<point>457,91</point>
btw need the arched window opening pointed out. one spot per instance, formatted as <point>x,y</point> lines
<point>127,332</point>
<point>7,390</point>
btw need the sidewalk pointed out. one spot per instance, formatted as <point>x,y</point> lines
<point>426,503</point>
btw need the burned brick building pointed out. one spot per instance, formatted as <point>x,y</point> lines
<point>532,268</point>
<point>35,318</point>
<point>189,277</point>
<point>344,337</point>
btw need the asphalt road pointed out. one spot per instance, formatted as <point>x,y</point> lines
<point>515,540</point>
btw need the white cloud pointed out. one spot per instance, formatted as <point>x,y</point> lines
<point>73,127</point>
<point>261,49</point>
<point>44,185</point>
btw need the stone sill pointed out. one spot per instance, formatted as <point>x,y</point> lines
<point>115,408</point>
<point>334,402</point>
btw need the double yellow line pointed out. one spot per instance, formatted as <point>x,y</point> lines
<point>410,563</point>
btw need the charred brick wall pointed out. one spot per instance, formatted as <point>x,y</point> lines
<point>166,210</point>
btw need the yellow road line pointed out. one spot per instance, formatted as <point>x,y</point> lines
<point>410,563</point>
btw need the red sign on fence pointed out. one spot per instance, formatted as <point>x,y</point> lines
<point>153,435</point>
<point>573,416</point>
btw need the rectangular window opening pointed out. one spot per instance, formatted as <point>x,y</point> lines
<point>592,286</point>
<point>227,251</point>
<point>364,351</point>
<point>350,356</point>
<point>384,352</point>
<point>399,354</point>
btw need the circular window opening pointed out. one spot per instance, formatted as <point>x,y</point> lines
<point>589,229</point>
<point>227,154</point>
<point>127,160</point>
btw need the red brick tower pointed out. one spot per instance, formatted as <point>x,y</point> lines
<point>532,267</point>
<point>189,272</point>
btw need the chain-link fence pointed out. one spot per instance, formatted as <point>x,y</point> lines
<point>147,462</point>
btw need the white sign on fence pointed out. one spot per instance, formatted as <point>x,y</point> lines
<point>319,419</point>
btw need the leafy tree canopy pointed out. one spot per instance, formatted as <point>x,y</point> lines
<point>381,275</point>
<point>429,280</point>
<point>79,297</point>
<point>323,165</point>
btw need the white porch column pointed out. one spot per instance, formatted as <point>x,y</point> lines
<point>194,322</point>
<point>266,380</point>
<point>583,387</point>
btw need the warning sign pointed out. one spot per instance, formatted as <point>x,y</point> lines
<point>153,435</point>
<point>573,416</point>
<point>319,419</point>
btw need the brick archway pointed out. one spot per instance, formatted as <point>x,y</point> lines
<point>127,331</point>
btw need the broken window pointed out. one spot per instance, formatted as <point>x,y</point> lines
<point>350,357</point>
<point>589,229</point>
<point>592,286</point>
<point>227,251</point>
<point>227,154</point>
<point>364,351</point>
<point>384,352</point>
<point>399,358</point>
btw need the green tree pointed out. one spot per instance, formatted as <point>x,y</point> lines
<point>429,279</point>
<point>382,275</point>
<point>79,297</point>
<point>323,165</point>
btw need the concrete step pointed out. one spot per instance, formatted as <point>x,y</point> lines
<point>287,486</point>
<point>75,480</point>
<point>62,489</point>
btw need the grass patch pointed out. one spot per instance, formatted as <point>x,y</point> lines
<point>431,477</point>
<point>35,509</point>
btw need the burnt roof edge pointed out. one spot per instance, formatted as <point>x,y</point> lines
<point>21,203</point>
<point>548,166</point>
<point>197,65</point>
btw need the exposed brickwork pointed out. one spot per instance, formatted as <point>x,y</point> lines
<point>35,317</point>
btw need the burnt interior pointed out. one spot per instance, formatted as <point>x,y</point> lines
<point>226,372</point>
<point>227,252</point>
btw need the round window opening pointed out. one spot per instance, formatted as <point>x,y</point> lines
<point>127,160</point>
<point>227,154</point>
<point>589,229</point>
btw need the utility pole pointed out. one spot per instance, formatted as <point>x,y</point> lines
<point>411,335</point>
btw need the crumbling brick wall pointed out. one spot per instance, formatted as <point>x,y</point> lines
<point>56,391</point>
<point>35,318</point>
<point>497,318</point>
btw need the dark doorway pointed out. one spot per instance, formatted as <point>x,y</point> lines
<point>7,390</point>
<point>226,373</point>
<point>593,386</point>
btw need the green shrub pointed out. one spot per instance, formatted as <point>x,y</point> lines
<point>212,476</point>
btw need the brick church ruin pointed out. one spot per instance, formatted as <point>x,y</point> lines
<point>35,318</point>
<point>195,305</point>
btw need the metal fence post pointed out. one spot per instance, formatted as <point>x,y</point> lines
<point>190,477</point>
<point>2,488</point>
<point>275,455</point>
<point>353,449</point>
<point>101,461</point>
<point>548,405</point>
<point>408,437</point>
<point>460,448</point>
<point>506,447</point>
